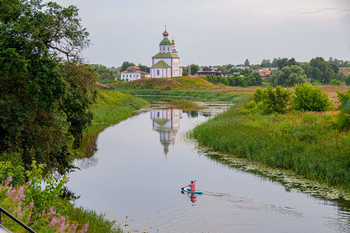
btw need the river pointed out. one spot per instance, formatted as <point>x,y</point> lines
<point>141,164</point>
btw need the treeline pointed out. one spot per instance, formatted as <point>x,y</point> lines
<point>111,74</point>
<point>105,74</point>
<point>253,79</point>
<point>290,72</point>
<point>46,91</point>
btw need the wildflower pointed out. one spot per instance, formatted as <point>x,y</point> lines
<point>29,183</point>
<point>63,219</point>
<point>74,226</point>
<point>61,229</point>
<point>9,179</point>
<point>32,204</point>
<point>86,225</point>
<point>43,211</point>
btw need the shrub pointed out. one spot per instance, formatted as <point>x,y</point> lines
<point>275,100</point>
<point>310,98</point>
<point>347,80</point>
<point>335,82</point>
<point>258,95</point>
<point>343,118</point>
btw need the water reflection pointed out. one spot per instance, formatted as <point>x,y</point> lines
<point>167,123</point>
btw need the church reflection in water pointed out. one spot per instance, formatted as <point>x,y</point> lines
<point>167,123</point>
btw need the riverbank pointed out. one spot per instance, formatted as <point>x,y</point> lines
<point>57,214</point>
<point>306,143</point>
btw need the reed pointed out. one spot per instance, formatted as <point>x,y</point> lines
<point>307,143</point>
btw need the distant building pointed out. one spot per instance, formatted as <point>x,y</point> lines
<point>214,71</point>
<point>264,73</point>
<point>166,63</point>
<point>269,68</point>
<point>133,73</point>
<point>241,67</point>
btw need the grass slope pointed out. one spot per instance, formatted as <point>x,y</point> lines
<point>307,143</point>
<point>179,83</point>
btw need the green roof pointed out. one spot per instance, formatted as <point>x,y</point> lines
<point>161,64</point>
<point>165,41</point>
<point>165,55</point>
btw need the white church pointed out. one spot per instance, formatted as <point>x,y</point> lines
<point>166,63</point>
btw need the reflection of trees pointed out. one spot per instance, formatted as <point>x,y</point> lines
<point>85,163</point>
<point>85,158</point>
<point>192,114</point>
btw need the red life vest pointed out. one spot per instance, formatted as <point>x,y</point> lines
<point>193,186</point>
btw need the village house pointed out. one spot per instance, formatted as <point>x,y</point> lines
<point>133,73</point>
<point>264,73</point>
<point>214,71</point>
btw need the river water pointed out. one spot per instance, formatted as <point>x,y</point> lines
<point>141,164</point>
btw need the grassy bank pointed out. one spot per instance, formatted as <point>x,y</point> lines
<point>307,143</point>
<point>111,107</point>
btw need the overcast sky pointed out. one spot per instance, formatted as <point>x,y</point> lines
<point>215,32</point>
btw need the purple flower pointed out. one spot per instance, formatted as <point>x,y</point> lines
<point>86,225</point>
<point>9,179</point>
<point>29,183</point>
<point>74,226</point>
<point>32,204</point>
<point>63,219</point>
<point>61,229</point>
<point>43,211</point>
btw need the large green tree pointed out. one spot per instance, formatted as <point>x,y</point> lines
<point>40,44</point>
<point>325,68</point>
<point>288,76</point>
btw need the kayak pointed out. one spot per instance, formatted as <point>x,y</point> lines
<point>188,189</point>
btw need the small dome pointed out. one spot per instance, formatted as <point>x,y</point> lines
<point>165,41</point>
<point>165,33</point>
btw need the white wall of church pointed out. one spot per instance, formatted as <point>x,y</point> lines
<point>176,67</point>
<point>160,72</point>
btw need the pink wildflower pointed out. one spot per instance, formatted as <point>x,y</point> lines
<point>63,219</point>
<point>9,179</point>
<point>29,183</point>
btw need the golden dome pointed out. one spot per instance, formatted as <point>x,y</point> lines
<point>165,33</point>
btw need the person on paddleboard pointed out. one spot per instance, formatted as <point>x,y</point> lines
<point>192,186</point>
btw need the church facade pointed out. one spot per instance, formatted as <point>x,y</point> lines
<point>166,63</point>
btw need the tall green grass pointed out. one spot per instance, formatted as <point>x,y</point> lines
<point>306,143</point>
<point>111,107</point>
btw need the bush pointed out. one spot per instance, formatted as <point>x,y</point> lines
<point>343,118</point>
<point>347,80</point>
<point>310,98</point>
<point>276,100</point>
<point>335,82</point>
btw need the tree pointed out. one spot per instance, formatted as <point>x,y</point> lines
<point>144,68</point>
<point>35,88</point>
<point>125,65</point>
<point>288,76</point>
<point>273,101</point>
<point>347,80</point>
<point>194,69</point>
<point>326,69</point>
<point>309,98</point>
<point>266,63</point>
<point>246,63</point>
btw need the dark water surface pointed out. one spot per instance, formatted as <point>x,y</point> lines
<point>142,163</point>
